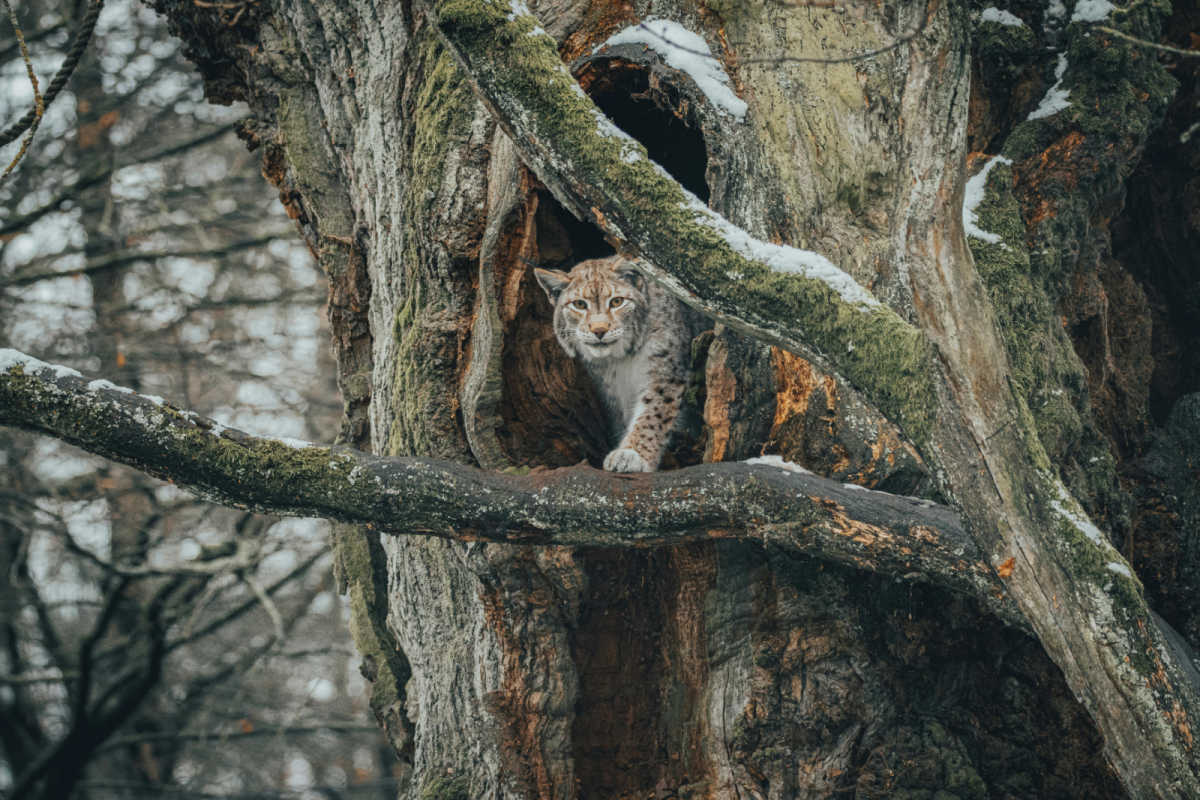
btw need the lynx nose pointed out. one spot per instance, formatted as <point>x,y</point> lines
<point>598,329</point>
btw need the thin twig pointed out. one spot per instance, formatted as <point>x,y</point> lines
<point>267,603</point>
<point>221,736</point>
<point>1146,43</point>
<point>799,59</point>
<point>23,678</point>
<point>72,191</point>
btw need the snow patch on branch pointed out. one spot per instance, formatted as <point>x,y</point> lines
<point>1002,17</point>
<point>1065,505</point>
<point>687,52</point>
<point>1057,98</point>
<point>1092,11</point>
<point>1119,568</point>
<point>973,196</point>
<point>518,8</point>
<point>10,358</point>
<point>607,128</point>
<point>782,257</point>
<point>632,150</point>
<point>100,383</point>
<point>777,461</point>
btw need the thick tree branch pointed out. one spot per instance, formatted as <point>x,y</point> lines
<point>792,298</point>
<point>788,507</point>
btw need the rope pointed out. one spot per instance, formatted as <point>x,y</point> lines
<point>78,44</point>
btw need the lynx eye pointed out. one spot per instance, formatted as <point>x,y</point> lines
<point>580,305</point>
<point>617,302</point>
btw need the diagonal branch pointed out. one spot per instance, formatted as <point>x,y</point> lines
<point>787,506</point>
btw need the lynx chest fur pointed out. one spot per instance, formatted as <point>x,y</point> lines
<point>634,339</point>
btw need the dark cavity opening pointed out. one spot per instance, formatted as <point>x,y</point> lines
<point>562,240</point>
<point>653,111</point>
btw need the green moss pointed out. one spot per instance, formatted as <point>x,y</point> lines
<point>416,380</point>
<point>440,120</point>
<point>1088,562</point>
<point>850,196</point>
<point>447,789</point>
<point>466,16</point>
<point>1002,52</point>
<point>1046,372</point>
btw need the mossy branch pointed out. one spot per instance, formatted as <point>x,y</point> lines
<point>790,508</point>
<point>604,175</point>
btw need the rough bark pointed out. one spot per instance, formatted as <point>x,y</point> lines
<point>721,669</point>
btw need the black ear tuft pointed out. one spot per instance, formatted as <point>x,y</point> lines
<point>552,281</point>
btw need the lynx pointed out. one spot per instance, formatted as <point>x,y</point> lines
<point>634,339</point>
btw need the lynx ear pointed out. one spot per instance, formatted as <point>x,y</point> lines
<point>632,275</point>
<point>552,281</point>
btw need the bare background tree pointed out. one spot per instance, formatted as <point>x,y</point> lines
<point>1038,381</point>
<point>152,645</point>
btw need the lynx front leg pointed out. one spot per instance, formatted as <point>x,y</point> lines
<point>646,437</point>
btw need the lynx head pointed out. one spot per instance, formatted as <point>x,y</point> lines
<point>601,307</point>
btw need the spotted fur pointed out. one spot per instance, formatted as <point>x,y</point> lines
<point>634,339</point>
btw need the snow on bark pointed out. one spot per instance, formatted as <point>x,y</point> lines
<point>1001,16</point>
<point>1057,98</point>
<point>777,461</point>
<point>100,383</point>
<point>687,52</point>
<point>1091,10</point>
<point>1120,569</point>
<point>1067,507</point>
<point>10,358</point>
<point>973,196</point>
<point>782,257</point>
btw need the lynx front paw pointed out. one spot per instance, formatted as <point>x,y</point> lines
<point>626,460</point>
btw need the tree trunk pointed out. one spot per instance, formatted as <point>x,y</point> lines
<point>727,668</point>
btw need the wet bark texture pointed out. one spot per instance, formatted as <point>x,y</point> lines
<point>723,669</point>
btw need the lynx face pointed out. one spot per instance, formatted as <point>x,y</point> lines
<point>600,308</point>
<point>635,342</point>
